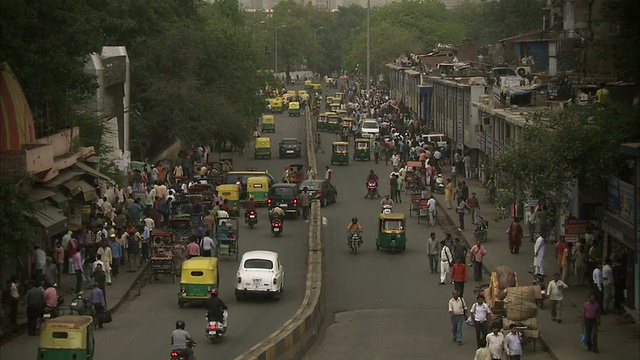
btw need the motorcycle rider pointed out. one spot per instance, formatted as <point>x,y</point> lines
<point>386,201</point>
<point>354,226</point>
<point>249,206</point>
<point>276,213</point>
<point>216,308</point>
<point>372,178</point>
<point>180,340</point>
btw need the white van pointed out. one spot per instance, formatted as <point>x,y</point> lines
<point>439,139</point>
<point>370,128</point>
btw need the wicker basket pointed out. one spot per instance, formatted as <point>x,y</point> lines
<point>520,293</point>
<point>521,310</point>
<point>531,323</point>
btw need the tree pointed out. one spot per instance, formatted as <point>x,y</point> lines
<point>556,148</point>
<point>18,229</point>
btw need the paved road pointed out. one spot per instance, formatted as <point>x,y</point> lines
<point>142,326</point>
<point>378,305</point>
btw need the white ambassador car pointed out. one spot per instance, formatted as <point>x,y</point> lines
<point>370,128</point>
<point>260,273</point>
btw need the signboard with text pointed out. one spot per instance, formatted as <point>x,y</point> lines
<point>575,227</point>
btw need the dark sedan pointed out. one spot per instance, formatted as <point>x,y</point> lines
<point>290,147</point>
<point>320,189</point>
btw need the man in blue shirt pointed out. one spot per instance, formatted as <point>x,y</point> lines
<point>96,298</point>
<point>116,254</point>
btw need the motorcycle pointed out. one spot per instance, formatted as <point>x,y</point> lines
<point>215,330</point>
<point>440,184</point>
<point>480,232</point>
<point>355,241</point>
<point>180,355</point>
<point>387,209</point>
<point>50,313</point>
<point>252,219</point>
<point>80,305</point>
<point>372,189</point>
<point>276,226</point>
<point>539,279</point>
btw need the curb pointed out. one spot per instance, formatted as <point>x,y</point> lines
<point>291,339</point>
<point>486,270</point>
<point>8,338</point>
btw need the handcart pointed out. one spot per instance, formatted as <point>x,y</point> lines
<point>227,236</point>
<point>423,211</point>
<point>414,207</point>
<point>162,243</point>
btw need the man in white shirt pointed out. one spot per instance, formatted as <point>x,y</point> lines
<point>532,218</point>
<point>513,343</point>
<point>207,245</point>
<point>607,285</point>
<point>433,249</point>
<point>446,259</point>
<point>457,310</point>
<point>480,312</point>
<point>39,262</point>
<point>538,253</point>
<point>222,214</point>
<point>432,206</point>
<point>555,292</point>
<point>495,342</point>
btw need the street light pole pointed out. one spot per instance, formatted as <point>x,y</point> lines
<point>315,33</point>
<point>253,28</point>
<point>276,62</point>
<point>368,45</point>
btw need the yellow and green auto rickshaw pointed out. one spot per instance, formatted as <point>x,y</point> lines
<point>329,80</point>
<point>308,85</point>
<point>268,123</point>
<point>339,96</point>
<point>362,149</point>
<point>302,92</point>
<point>276,105</point>
<point>327,102</point>
<point>335,107</point>
<point>262,148</point>
<point>391,232</point>
<point>342,113</point>
<point>333,123</point>
<point>340,153</point>
<point>231,194</point>
<point>67,337</point>
<point>317,88</point>
<point>322,122</point>
<point>294,108</point>
<point>198,277</point>
<point>350,122</point>
<point>258,186</point>
<point>345,130</point>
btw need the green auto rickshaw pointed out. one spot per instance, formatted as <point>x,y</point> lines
<point>67,337</point>
<point>340,153</point>
<point>262,148</point>
<point>333,123</point>
<point>258,186</point>
<point>327,103</point>
<point>391,232</point>
<point>294,108</point>
<point>268,123</point>
<point>199,275</point>
<point>362,149</point>
<point>335,106</point>
<point>231,195</point>
<point>276,105</point>
<point>321,123</point>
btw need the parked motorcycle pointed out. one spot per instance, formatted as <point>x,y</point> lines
<point>49,313</point>
<point>215,330</point>
<point>252,219</point>
<point>80,305</point>
<point>440,187</point>
<point>539,279</point>
<point>480,232</point>
<point>276,226</point>
<point>355,241</point>
<point>372,189</point>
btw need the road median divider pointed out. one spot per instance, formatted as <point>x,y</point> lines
<point>293,337</point>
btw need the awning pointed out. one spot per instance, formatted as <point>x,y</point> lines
<point>80,186</point>
<point>53,221</point>
<point>63,177</point>
<point>40,194</point>
<point>88,169</point>
<point>61,201</point>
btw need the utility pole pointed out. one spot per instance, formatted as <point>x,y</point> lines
<point>276,60</point>
<point>368,47</point>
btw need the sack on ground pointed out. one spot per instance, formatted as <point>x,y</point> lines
<point>520,293</point>
<point>521,310</point>
<point>506,277</point>
<point>531,323</point>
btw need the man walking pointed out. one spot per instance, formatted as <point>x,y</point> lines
<point>207,245</point>
<point>319,143</point>
<point>35,303</point>
<point>459,276</point>
<point>597,286</point>
<point>96,298</point>
<point>607,285</point>
<point>495,342</point>
<point>555,292</point>
<point>477,254</point>
<point>433,249</point>
<point>532,218</point>
<point>457,313</point>
<point>39,263</point>
<point>462,207</point>
<point>591,321</point>
<point>474,205</point>
<point>513,343</point>
<point>480,312</point>
<point>446,260</point>
<point>538,253</point>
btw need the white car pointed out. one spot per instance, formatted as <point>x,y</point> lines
<point>260,273</point>
<point>370,128</point>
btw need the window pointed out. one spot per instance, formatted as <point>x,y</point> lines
<point>60,335</point>
<point>197,273</point>
<point>281,191</point>
<point>393,225</point>
<point>258,264</point>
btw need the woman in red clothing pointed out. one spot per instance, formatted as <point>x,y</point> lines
<point>515,236</point>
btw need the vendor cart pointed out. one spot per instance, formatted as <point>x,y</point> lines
<point>162,262</point>
<point>412,177</point>
<point>227,231</point>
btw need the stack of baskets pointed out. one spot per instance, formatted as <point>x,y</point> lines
<point>519,303</point>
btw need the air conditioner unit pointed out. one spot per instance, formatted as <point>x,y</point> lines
<point>486,121</point>
<point>523,71</point>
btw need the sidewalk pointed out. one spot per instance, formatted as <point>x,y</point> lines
<point>615,340</point>
<point>116,293</point>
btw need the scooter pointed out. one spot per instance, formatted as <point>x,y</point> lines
<point>252,219</point>
<point>440,184</point>
<point>372,190</point>
<point>480,232</point>
<point>80,305</point>
<point>539,279</point>
<point>180,355</point>
<point>387,209</point>
<point>215,330</point>
<point>276,226</point>
<point>355,241</point>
